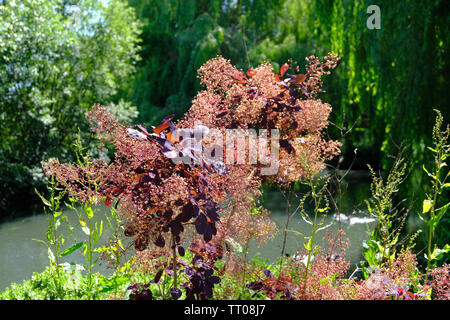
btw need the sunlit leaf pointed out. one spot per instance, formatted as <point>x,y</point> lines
<point>86,230</point>
<point>283,69</point>
<point>89,212</point>
<point>44,201</point>
<point>51,256</point>
<point>427,204</point>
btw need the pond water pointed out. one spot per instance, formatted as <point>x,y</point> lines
<point>353,219</point>
<point>20,255</point>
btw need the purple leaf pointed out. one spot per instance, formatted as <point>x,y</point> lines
<point>208,273</point>
<point>201,224</point>
<point>214,280</point>
<point>142,128</point>
<point>286,145</point>
<point>181,251</point>
<point>187,212</point>
<point>168,118</point>
<point>176,293</point>
<point>189,271</point>
<point>268,273</point>
<point>160,242</point>
<point>158,276</point>
<point>182,262</point>
<point>255,285</point>
<point>222,114</point>
<point>210,249</point>
<point>288,294</point>
<point>145,294</point>
<point>207,236</point>
<point>176,227</point>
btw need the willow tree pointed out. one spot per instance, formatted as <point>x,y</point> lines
<point>179,36</point>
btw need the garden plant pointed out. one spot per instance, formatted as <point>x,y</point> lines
<point>186,193</point>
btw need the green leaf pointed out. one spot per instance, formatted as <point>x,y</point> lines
<point>120,244</point>
<point>89,255</point>
<point>433,222</point>
<point>429,174</point>
<point>89,212</point>
<point>57,224</point>
<point>427,204</point>
<point>70,206</point>
<point>49,231</point>
<point>308,245</point>
<point>101,229</point>
<point>437,253</point>
<point>128,264</point>
<point>45,201</point>
<point>51,256</point>
<point>105,249</point>
<point>95,233</point>
<point>72,249</point>
<point>86,230</point>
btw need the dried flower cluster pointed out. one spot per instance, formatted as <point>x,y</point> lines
<point>440,283</point>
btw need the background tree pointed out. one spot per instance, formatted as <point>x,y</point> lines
<point>57,58</point>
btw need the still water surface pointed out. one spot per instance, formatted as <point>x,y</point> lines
<point>20,255</point>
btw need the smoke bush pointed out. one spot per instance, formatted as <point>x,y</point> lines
<point>159,198</point>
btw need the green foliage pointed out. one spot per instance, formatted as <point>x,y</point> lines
<point>380,249</point>
<point>318,187</point>
<point>57,58</point>
<point>55,239</point>
<point>434,208</point>
<point>179,36</point>
<point>73,283</point>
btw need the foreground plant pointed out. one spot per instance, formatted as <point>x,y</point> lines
<point>433,211</point>
<point>327,278</point>
<point>318,186</point>
<point>380,249</point>
<point>160,197</point>
<point>55,239</point>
